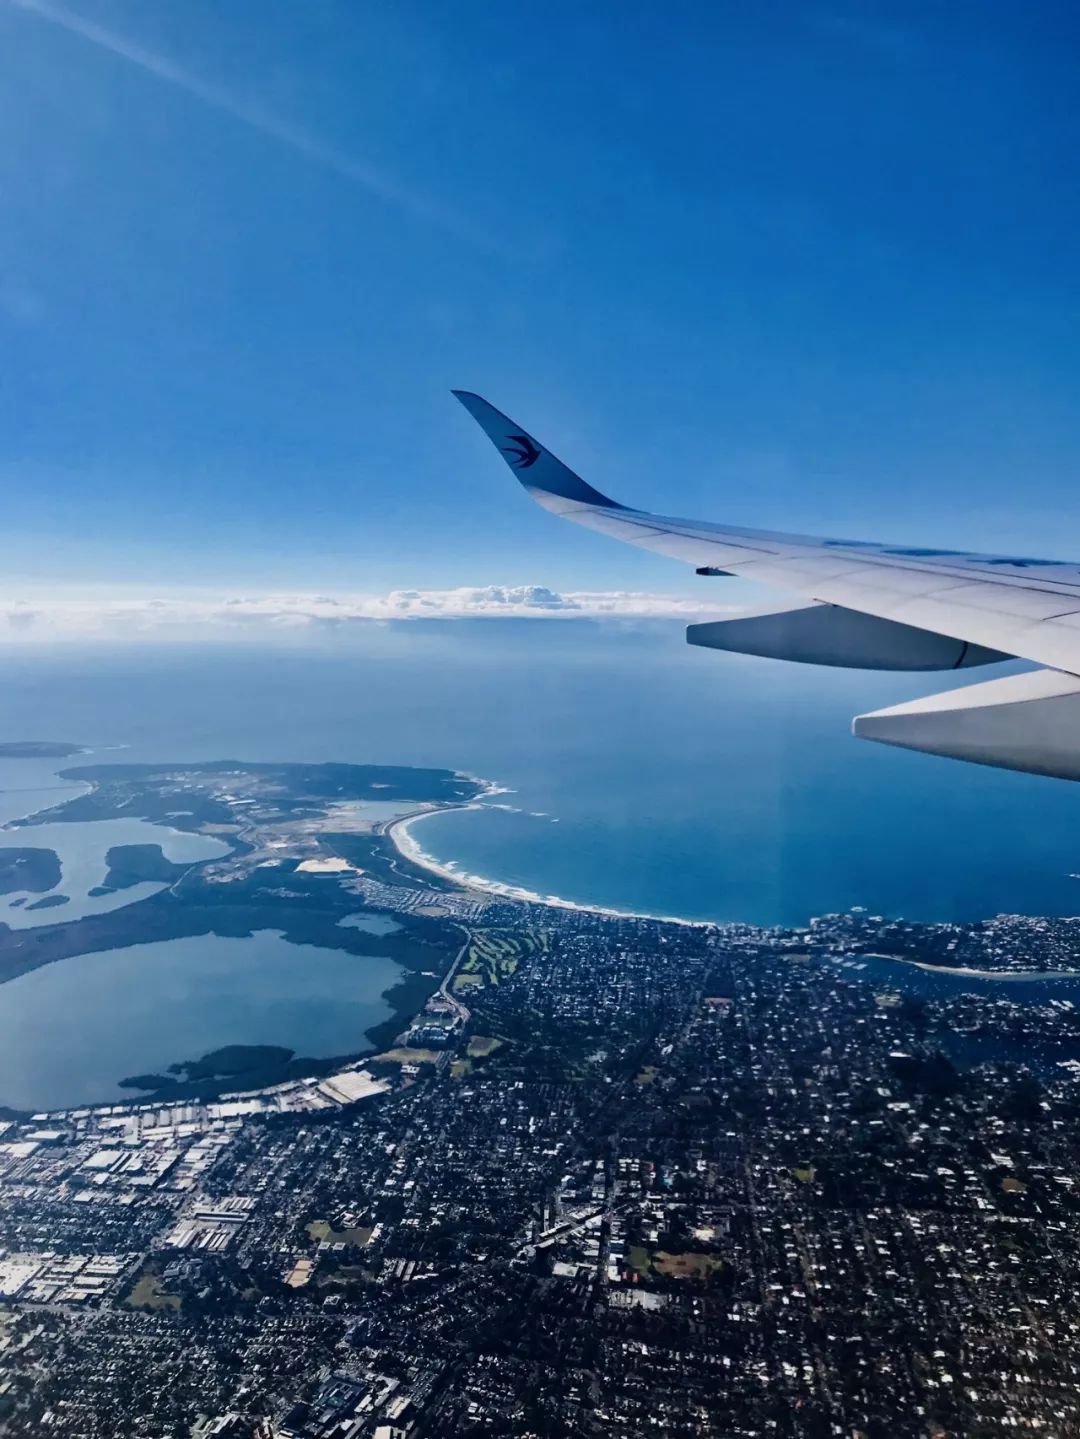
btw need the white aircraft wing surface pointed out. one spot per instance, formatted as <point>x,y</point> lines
<point>872,606</point>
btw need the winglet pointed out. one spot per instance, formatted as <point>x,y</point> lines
<point>547,479</point>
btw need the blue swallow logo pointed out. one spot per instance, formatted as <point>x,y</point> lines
<point>522,452</point>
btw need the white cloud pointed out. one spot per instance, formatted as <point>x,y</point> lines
<point>187,616</point>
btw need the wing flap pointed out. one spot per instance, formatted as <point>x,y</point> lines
<point>1024,722</point>
<point>1015,606</point>
<point>818,634</point>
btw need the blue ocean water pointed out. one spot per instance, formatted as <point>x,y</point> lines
<point>650,776</point>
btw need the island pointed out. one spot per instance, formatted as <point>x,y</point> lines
<point>25,870</point>
<point>235,1066</point>
<point>39,749</point>
<point>599,1174</point>
<point>322,854</point>
<point>306,856</point>
<point>131,864</point>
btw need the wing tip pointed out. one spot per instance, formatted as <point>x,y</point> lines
<point>550,482</point>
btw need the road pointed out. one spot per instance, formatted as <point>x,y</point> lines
<point>443,990</point>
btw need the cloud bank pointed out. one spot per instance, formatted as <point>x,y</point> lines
<point>24,620</point>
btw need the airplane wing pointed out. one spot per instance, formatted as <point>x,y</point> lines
<point>869,606</point>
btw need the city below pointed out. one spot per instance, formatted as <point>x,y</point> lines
<point>592,1174</point>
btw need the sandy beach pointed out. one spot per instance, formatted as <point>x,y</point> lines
<point>966,972</point>
<point>399,832</point>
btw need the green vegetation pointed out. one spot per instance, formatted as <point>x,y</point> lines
<point>236,1067</point>
<point>188,797</point>
<point>689,1265</point>
<point>234,1061</point>
<point>130,864</point>
<point>495,954</point>
<point>935,1076</point>
<point>639,1259</point>
<point>323,1232</point>
<point>405,1055</point>
<point>686,1266</point>
<point>804,1173</point>
<point>468,981</point>
<point>149,1293</point>
<point>146,1081</point>
<point>35,870</point>
<point>481,1045</point>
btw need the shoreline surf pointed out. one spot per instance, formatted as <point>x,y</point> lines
<point>398,831</point>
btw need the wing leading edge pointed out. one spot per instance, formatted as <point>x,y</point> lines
<point>871,606</point>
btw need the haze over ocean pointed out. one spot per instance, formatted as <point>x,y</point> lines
<point>682,783</point>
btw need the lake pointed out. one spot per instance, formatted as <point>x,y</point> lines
<point>646,776</point>
<point>70,1031</point>
<point>82,850</point>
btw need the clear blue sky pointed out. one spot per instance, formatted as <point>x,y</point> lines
<point>804,265</point>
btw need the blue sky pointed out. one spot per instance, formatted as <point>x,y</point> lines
<point>809,266</point>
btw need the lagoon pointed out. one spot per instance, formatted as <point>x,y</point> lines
<point>682,782</point>
<point>646,776</point>
<point>70,1031</point>
<point>82,850</point>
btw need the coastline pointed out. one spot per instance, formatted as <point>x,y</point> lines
<point>403,998</point>
<point>408,993</point>
<point>399,833</point>
<point>966,972</point>
<point>959,971</point>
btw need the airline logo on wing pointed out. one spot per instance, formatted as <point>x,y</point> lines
<point>522,453</point>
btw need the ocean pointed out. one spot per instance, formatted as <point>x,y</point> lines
<point>644,775</point>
